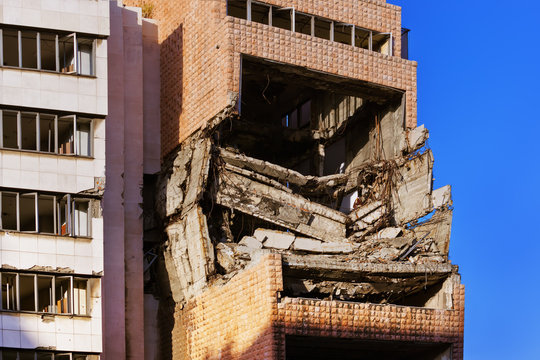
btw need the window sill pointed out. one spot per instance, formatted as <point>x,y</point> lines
<point>6,231</point>
<point>44,314</point>
<point>46,71</point>
<point>48,153</point>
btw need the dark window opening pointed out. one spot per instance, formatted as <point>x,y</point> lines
<point>29,49</point>
<point>10,44</point>
<point>27,295</point>
<point>323,28</point>
<point>48,51</point>
<point>301,115</point>
<point>319,348</point>
<point>362,38</point>
<point>302,23</point>
<point>237,8</point>
<point>281,18</point>
<point>260,13</point>
<point>45,293</point>
<point>9,129</point>
<point>343,33</point>
<point>28,131</point>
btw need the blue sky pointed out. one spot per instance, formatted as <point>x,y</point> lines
<point>478,94</point>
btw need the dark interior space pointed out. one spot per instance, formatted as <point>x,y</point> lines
<point>315,348</point>
<point>288,113</point>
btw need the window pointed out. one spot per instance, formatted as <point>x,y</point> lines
<point>66,135</point>
<point>63,294</point>
<point>289,19</point>
<point>44,213</point>
<point>66,53</point>
<point>23,354</point>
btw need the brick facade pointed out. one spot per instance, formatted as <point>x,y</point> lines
<point>245,319</point>
<point>201,48</point>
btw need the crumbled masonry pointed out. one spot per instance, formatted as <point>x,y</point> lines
<point>223,209</point>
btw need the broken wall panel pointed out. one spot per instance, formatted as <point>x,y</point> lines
<point>412,196</point>
<point>189,254</point>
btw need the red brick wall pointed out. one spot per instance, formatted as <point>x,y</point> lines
<point>234,321</point>
<point>201,47</point>
<point>244,320</point>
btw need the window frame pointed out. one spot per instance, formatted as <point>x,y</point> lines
<point>69,208</point>
<point>58,37</point>
<point>54,307</point>
<point>75,119</point>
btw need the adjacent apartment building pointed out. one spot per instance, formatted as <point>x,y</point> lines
<point>53,108</point>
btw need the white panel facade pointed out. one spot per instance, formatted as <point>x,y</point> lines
<point>53,105</point>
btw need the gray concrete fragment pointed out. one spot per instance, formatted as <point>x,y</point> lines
<point>225,257</point>
<point>307,244</point>
<point>274,239</point>
<point>362,211</point>
<point>337,248</point>
<point>389,233</point>
<point>251,242</point>
<point>417,137</point>
<point>412,198</point>
<point>441,197</point>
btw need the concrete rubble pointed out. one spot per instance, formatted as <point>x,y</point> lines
<point>380,220</point>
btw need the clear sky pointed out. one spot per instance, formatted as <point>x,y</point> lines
<point>479,95</point>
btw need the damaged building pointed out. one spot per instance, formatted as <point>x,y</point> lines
<point>269,193</point>
<point>294,215</point>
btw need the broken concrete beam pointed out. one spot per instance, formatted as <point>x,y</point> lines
<point>279,207</point>
<point>441,197</point>
<point>337,248</point>
<point>251,242</point>
<point>417,137</point>
<point>412,196</point>
<point>274,239</point>
<point>307,244</point>
<point>323,184</point>
<point>189,254</point>
<point>182,185</point>
<point>389,233</point>
<point>361,211</point>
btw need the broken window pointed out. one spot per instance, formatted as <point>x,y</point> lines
<point>22,354</point>
<point>85,56</point>
<point>382,43</point>
<point>282,18</point>
<point>9,291</point>
<point>66,140</point>
<point>81,218</point>
<point>45,293</point>
<point>69,135</point>
<point>237,8</point>
<point>302,23</point>
<point>47,132</point>
<point>27,292</point>
<point>260,13</point>
<point>10,47</point>
<point>63,295</point>
<point>28,131</point>
<point>83,130</point>
<point>80,296</point>
<point>323,28</point>
<point>9,129</point>
<point>29,49</point>
<point>47,212</point>
<point>44,213</point>
<point>343,33</point>
<point>48,51</point>
<point>362,38</point>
